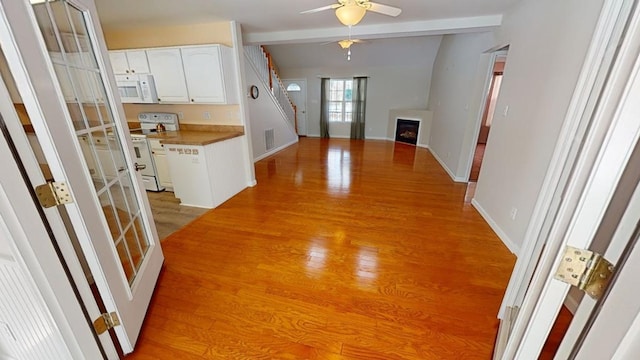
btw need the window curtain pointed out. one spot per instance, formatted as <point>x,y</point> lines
<point>324,108</point>
<point>359,101</point>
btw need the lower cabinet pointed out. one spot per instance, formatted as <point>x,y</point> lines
<point>162,165</point>
<point>206,176</point>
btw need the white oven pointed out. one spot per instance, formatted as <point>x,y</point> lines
<point>142,155</point>
<point>142,149</point>
<point>138,88</point>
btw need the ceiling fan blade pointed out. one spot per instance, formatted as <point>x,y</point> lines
<point>384,9</point>
<point>328,7</point>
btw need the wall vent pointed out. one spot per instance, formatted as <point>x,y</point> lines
<point>268,139</point>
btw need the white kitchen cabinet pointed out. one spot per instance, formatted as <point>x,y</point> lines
<point>166,66</point>
<point>162,166</point>
<point>129,62</point>
<point>207,176</point>
<point>210,74</point>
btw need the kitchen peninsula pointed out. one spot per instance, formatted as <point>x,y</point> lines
<point>204,163</point>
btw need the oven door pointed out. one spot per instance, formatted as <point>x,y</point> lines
<point>143,156</point>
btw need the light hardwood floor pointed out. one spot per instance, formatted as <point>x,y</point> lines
<point>344,250</point>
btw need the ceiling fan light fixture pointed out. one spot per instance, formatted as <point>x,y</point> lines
<point>350,14</point>
<point>345,44</point>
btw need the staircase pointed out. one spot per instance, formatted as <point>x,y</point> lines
<point>262,62</point>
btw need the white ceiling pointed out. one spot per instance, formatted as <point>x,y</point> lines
<point>280,21</point>
<point>415,51</point>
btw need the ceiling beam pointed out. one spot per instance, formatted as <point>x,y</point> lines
<point>402,29</point>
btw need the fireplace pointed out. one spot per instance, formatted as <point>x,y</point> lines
<point>407,131</point>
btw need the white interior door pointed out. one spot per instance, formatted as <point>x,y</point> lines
<point>58,43</point>
<point>297,90</point>
<point>609,322</point>
<point>605,164</point>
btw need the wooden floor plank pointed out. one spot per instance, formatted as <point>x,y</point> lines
<point>344,250</point>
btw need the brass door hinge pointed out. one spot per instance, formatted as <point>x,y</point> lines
<point>53,194</point>
<point>586,270</point>
<point>105,322</point>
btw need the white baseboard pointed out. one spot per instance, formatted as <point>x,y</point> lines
<point>446,168</point>
<point>494,226</point>
<point>273,151</point>
<point>376,138</point>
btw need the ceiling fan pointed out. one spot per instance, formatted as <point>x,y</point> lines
<point>346,43</point>
<point>350,12</point>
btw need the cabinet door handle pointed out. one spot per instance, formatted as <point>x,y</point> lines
<point>140,166</point>
<point>127,71</point>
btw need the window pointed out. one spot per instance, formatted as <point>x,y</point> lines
<point>340,106</point>
<point>293,87</point>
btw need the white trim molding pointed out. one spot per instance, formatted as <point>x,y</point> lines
<point>497,229</point>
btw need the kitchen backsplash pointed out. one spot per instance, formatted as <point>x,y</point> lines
<point>191,113</point>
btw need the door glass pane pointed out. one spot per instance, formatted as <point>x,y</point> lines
<point>110,215</point>
<point>65,32</point>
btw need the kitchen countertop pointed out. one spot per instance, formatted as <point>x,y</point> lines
<point>197,138</point>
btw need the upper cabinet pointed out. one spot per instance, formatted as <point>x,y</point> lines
<point>200,74</point>
<point>210,74</point>
<point>129,62</point>
<point>166,66</point>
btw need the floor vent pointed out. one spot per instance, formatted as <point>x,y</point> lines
<point>268,139</point>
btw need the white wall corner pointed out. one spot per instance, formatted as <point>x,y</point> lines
<point>494,226</point>
<point>446,168</point>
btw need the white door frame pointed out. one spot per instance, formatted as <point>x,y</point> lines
<point>35,78</point>
<point>488,79</point>
<point>607,148</point>
<point>48,256</point>
<point>591,80</point>
<point>34,252</point>
<point>286,82</point>
<point>609,319</point>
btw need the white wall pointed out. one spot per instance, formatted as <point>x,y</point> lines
<point>399,73</point>
<point>455,99</point>
<point>548,41</point>
<point>264,114</point>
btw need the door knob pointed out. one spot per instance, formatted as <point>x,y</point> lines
<point>139,166</point>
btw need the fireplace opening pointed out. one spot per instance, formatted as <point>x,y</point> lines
<point>407,131</point>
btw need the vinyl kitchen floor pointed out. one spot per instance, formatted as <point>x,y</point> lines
<point>168,214</point>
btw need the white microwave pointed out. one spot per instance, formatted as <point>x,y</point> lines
<point>138,88</point>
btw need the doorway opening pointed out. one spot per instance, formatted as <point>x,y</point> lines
<point>297,90</point>
<point>487,116</point>
<point>492,91</point>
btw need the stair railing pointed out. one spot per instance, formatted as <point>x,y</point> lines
<point>264,65</point>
